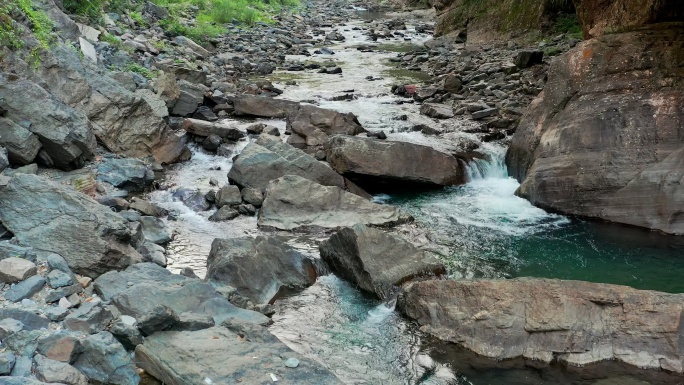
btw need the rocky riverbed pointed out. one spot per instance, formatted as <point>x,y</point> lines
<point>253,213</point>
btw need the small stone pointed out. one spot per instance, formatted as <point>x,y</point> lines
<point>213,181</point>
<point>104,360</point>
<point>63,302</point>
<point>10,326</point>
<point>56,313</point>
<point>160,318</point>
<point>292,362</point>
<point>228,195</point>
<point>25,289</point>
<point>90,318</point>
<point>15,269</point>
<point>66,291</point>
<point>225,213</point>
<point>85,281</point>
<point>57,278</point>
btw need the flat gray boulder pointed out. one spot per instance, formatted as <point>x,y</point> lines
<point>263,107</point>
<point>261,269</point>
<point>315,125</point>
<point>372,162</point>
<point>51,217</point>
<point>296,203</point>
<point>248,355</point>
<point>375,260</point>
<point>269,158</point>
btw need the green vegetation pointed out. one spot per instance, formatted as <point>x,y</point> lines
<point>11,30</point>
<point>90,9</point>
<point>568,24</point>
<point>137,68</point>
<point>138,18</point>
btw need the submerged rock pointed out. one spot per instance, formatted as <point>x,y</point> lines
<point>261,269</point>
<point>293,202</point>
<point>571,321</point>
<point>375,260</point>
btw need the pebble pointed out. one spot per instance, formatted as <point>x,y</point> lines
<point>292,362</point>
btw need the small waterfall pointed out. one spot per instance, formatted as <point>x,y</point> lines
<point>492,166</point>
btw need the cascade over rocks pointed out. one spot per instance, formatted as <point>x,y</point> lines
<point>605,139</point>
<point>51,217</point>
<point>542,319</point>
<point>261,269</point>
<point>375,260</point>
<point>372,162</point>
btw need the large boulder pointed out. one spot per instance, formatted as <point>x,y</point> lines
<point>65,133</point>
<point>263,107</point>
<point>315,125</point>
<point>142,289</point>
<point>130,174</point>
<point>269,158</point>
<point>22,145</point>
<point>376,261</point>
<point>373,163</point>
<point>293,202</point>
<point>605,139</point>
<point>244,354</point>
<point>51,217</point>
<point>571,321</point>
<point>262,269</point>
<point>204,128</point>
<point>606,16</point>
<point>124,122</point>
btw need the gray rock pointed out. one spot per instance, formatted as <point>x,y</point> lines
<point>191,95</point>
<point>52,217</point>
<point>212,142</point>
<point>9,326</point>
<point>263,107</point>
<point>247,209</point>
<point>63,131</point>
<point>228,195</point>
<point>261,269</point>
<point>130,174</point>
<point>186,357</point>
<point>56,313</point>
<point>192,321</point>
<point>376,261</point>
<point>292,362</point>
<point>105,360</point>
<point>225,213</point>
<point>269,159</point>
<point>7,360</point>
<point>61,346</point>
<point>485,113</point>
<point>203,128</point>
<point>57,294</point>
<point>316,124</point>
<point>8,250</point>
<point>155,230</point>
<point>16,269</point>
<point>437,111</point>
<point>4,161</point>
<point>377,164</point>
<point>452,83</point>
<point>58,279</point>
<point>20,371</point>
<point>147,207</point>
<point>195,200</point>
<point>21,144</point>
<point>293,202</point>
<point>127,332</point>
<point>160,317</point>
<point>25,289</point>
<point>28,319</point>
<point>55,371</point>
<point>23,343</point>
<point>252,196</point>
<point>527,58</point>
<point>190,44</point>
<point>89,318</point>
<point>153,253</point>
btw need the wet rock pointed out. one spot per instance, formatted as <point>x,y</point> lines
<point>205,113</point>
<point>55,371</point>
<point>376,261</point>
<point>573,322</point>
<point>130,174</point>
<point>373,163</point>
<point>252,196</point>
<point>167,357</point>
<point>528,58</point>
<point>105,360</point>
<point>24,289</point>
<point>195,200</point>
<point>63,131</point>
<point>437,111</point>
<point>228,195</point>
<point>153,253</point>
<point>14,269</point>
<point>21,144</point>
<point>261,269</point>
<point>293,202</point>
<point>212,142</point>
<point>247,209</point>
<point>202,128</point>
<point>452,83</point>
<point>269,159</point>
<point>263,107</point>
<point>152,285</point>
<point>54,218</point>
<point>225,213</point>
<point>316,124</point>
<point>155,230</point>
<point>484,113</point>
<point>147,208</point>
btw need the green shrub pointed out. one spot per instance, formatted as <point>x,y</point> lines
<point>137,68</point>
<point>90,9</point>
<point>138,18</point>
<point>568,24</point>
<point>10,30</point>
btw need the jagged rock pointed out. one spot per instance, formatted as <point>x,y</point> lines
<point>57,279</point>
<point>202,128</point>
<point>104,360</point>
<point>373,163</point>
<point>190,96</point>
<point>61,346</point>
<point>64,132</point>
<point>153,253</point>
<point>252,196</point>
<point>89,318</point>
<point>437,111</point>
<point>186,357</point>
<point>57,294</point>
<point>317,124</point>
<point>225,213</point>
<point>212,143</point>
<point>293,202</point>
<point>22,145</point>
<point>155,230</point>
<point>263,107</point>
<point>147,207</point>
<point>130,174</point>
<point>52,217</point>
<point>160,317</point>
<point>261,269</point>
<point>16,269</point>
<point>56,313</point>
<point>4,160</point>
<point>29,320</point>
<point>599,19</point>
<point>600,141</point>
<point>24,289</point>
<point>7,360</point>
<point>55,371</point>
<point>269,159</point>
<point>228,195</point>
<point>551,320</point>
<point>189,43</point>
<point>376,261</point>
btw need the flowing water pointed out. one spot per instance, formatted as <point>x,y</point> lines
<point>480,229</point>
